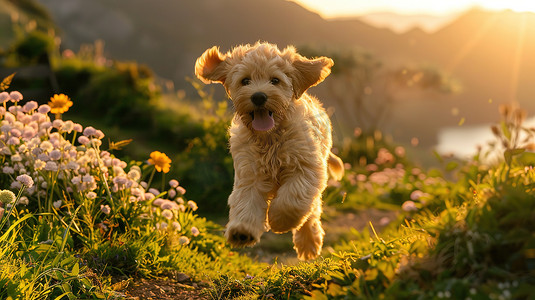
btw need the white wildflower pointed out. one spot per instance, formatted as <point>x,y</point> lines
<point>183,240</point>
<point>105,209</point>
<point>57,204</point>
<point>166,213</point>
<point>25,180</point>
<point>173,183</point>
<point>192,205</point>
<point>7,196</point>
<point>51,166</point>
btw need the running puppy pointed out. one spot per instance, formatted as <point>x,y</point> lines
<point>280,141</point>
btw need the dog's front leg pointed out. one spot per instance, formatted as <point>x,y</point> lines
<point>248,208</point>
<point>294,200</point>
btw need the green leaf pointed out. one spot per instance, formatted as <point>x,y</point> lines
<point>452,165</point>
<point>508,157</point>
<point>60,297</point>
<point>66,287</point>
<point>75,270</point>
<point>505,130</point>
<point>527,158</point>
<point>371,274</point>
<point>508,154</point>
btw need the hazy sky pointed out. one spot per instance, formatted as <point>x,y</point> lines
<point>337,8</point>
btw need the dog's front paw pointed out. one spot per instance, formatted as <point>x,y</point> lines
<point>239,236</point>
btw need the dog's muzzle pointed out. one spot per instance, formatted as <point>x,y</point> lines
<point>262,117</point>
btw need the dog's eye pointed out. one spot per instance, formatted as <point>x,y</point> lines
<point>275,81</point>
<point>246,81</point>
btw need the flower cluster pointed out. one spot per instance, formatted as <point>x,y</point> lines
<point>37,147</point>
<point>168,206</point>
<point>61,158</point>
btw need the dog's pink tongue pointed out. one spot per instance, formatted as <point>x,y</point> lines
<point>263,120</point>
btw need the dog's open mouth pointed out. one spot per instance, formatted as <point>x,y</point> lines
<point>262,119</point>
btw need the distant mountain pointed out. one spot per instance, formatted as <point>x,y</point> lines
<point>401,23</point>
<point>489,53</point>
<point>170,34</point>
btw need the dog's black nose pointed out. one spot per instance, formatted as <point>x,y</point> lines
<point>259,98</point>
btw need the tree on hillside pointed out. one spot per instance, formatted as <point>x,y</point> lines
<point>367,89</point>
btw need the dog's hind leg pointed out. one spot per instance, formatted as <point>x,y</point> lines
<point>308,239</point>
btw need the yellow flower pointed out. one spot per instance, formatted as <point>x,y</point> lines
<point>59,103</point>
<point>160,161</point>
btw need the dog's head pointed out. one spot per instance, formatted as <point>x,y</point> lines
<point>262,81</point>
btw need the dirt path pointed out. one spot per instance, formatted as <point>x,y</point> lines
<point>163,289</point>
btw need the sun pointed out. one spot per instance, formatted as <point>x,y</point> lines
<point>515,5</point>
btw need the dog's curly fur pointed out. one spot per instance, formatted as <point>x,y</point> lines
<point>280,140</point>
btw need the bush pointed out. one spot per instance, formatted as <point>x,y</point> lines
<point>207,165</point>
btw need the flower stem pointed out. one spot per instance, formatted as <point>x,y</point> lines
<point>151,177</point>
<point>6,217</point>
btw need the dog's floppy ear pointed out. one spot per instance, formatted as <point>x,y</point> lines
<point>309,72</point>
<point>210,66</point>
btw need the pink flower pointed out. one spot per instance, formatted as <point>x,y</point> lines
<point>55,154</point>
<point>28,133</point>
<point>169,205</point>
<point>57,123</point>
<point>409,206</point>
<point>173,183</point>
<point>400,151</point>
<point>15,132</point>
<point>415,195</point>
<point>13,141</point>
<point>89,131</point>
<point>167,214</point>
<point>154,191</point>
<point>183,240</point>
<point>29,106</point>
<point>25,180</point>
<point>158,201</point>
<point>44,109</point>
<point>51,166</point>
<point>105,209</point>
<point>192,205</point>
<point>77,127</point>
<point>15,96</point>
<point>4,97</point>
<point>84,140</point>
<point>181,190</point>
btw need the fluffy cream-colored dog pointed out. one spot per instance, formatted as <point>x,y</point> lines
<point>280,140</point>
